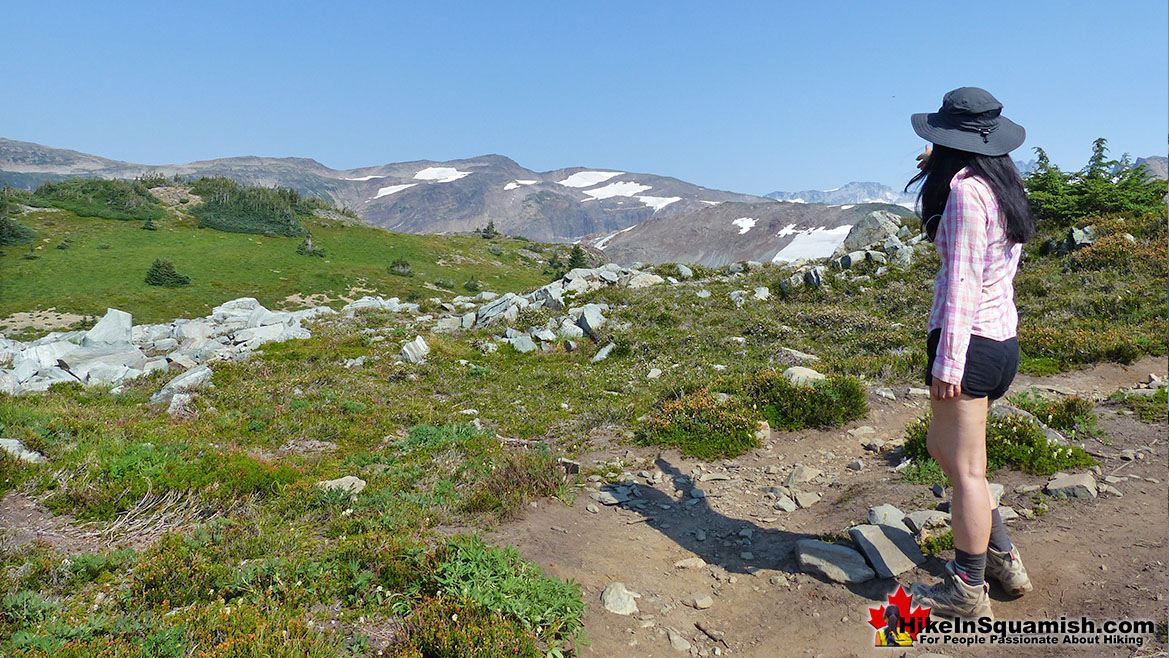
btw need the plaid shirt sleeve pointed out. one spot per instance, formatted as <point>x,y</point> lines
<point>964,222</point>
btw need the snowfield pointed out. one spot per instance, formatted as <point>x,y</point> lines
<point>386,191</point>
<point>441,174</point>
<point>812,243</point>
<point>787,230</point>
<point>658,202</point>
<point>626,188</point>
<point>603,242</point>
<point>745,224</point>
<point>589,178</point>
<point>363,178</point>
<point>517,182</point>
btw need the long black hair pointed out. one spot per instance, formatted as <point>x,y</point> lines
<point>998,171</point>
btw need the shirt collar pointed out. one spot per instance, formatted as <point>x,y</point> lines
<point>962,175</point>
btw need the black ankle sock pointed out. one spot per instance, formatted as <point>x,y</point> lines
<point>999,540</point>
<point>972,566</point>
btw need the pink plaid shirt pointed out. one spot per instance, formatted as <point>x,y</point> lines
<point>974,291</point>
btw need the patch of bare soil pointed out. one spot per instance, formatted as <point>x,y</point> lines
<point>173,196</point>
<point>1103,558</point>
<point>46,320</point>
<point>24,520</point>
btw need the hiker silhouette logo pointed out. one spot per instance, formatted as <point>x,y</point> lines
<point>896,625</point>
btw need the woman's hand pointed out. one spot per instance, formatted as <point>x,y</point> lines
<point>924,158</point>
<point>941,390</point>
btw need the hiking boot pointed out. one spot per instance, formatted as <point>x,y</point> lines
<point>1008,570</point>
<point>953,597</point>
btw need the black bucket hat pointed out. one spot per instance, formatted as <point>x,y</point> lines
<point>970,120</point>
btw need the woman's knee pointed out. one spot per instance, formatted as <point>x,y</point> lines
<point>968,473</point>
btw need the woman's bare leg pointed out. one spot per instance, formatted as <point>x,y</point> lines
<point>957,441</point>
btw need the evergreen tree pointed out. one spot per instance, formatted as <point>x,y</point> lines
<point>577,258</point>
<point>163,273</point>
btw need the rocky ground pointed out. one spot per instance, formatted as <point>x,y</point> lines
<point>717,575</point>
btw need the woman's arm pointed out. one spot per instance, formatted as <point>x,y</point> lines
<point>964,222</point>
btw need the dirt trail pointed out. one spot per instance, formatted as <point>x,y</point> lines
<point>1102,558</point>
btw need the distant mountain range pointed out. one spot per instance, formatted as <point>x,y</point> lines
<point>630,216</point>
<point>419,197</point>
<point>852,193</point>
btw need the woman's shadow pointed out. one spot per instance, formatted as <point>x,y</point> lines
<point>739,546</point>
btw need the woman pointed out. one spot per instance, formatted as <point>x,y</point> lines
<point>978,217</point>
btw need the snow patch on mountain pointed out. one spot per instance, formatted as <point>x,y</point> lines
<point>386,191</point>
<point>812,243</point>
<point>363,178</point>
<point>787,230</point>
<point>658,202</point>
<point>441,174</point>
<point>603,242</point>
<point>624,188</point>
<point>745,224</point>
<point>517,183</point>
<point>588,178</point>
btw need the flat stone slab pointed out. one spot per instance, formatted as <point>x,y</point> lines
<point>801,474</point>
<point>926,518</point>
<point>891,551</point>
<point>887,515</point>
<point>806,499</point>
<point>1075,485</point>
<point>20,452</point>
<point>801,376</point>
<point>837,563</point>
<point>350,483</point>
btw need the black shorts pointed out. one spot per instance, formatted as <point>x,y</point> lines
<point>990,365</point>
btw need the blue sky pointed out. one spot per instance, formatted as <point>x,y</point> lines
<point>750,97</point>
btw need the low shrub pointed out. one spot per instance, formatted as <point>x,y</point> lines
<point>13,233</point>
<point>472,285</point>
<point>163,273</point>
<point>827,403</point>
<point>400,267</point>
<point>500,580</point>
<point>1071,415</point>
<point>445,284</point>
<point>445,627</point>
<point>1011,442</point>
<point>108,199</point>
<point>229,206</point>
<point>1115,252</point>
<point>700,426</point>
<point>512,481</point>
<point>306,248</point>
<point>938,544</point>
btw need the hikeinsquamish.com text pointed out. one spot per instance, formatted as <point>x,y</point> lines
<point>1062,631</point>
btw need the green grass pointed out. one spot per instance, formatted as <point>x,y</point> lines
<point>86,279</point>
<point>1151,409</point>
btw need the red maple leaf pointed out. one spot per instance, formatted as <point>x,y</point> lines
<point>912,622</point>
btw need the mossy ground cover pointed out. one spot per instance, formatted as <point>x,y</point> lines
<point>108,260</point>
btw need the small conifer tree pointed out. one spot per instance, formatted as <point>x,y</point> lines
<point>163,273</point>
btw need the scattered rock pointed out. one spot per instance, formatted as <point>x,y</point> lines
<point>350,484</point>
<point>690,563</point>
<point>654,373</point>
<point>806,499</point>
<point>700,601</point>
<point>837,563</point>
<point>798,355</point>
<point>523,343</point>
<point>1077,485</point>
<point>609,497</point>
<point>887,393</point>
<point>856,465</point>
<point>801,376</point>
<point>887,515</point>
<point>782,502</point>
<point>678,642</point>
<point>603,353</point>
<point>619,600</point>
<point>889,550</point>
<point>923,519</point>
<point>684,272</point>
<point>697,493</point>
<point>938,490</point>
<point>415,351</point>
<point>590,320</point>
<point>801,474</point>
